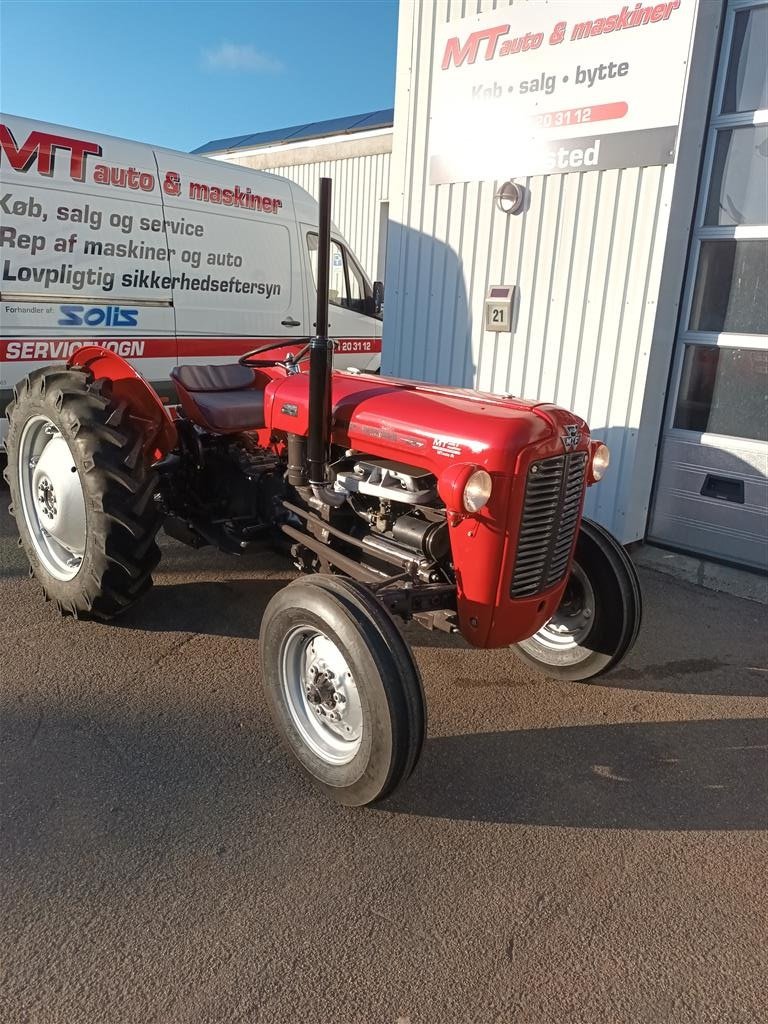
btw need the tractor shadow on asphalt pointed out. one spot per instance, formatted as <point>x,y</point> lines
<point>228,607</point>
<point>149,778</point>
<point>665,776</point>
<point>234,607</point>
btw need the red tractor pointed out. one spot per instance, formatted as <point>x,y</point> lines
<point>460,510</point>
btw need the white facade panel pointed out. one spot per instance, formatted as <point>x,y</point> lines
<point>360,186</point>
<point>597,260</point>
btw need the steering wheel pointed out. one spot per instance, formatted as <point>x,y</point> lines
<point>290,362</point>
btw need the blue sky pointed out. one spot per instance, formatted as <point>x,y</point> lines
<point>178,73</point>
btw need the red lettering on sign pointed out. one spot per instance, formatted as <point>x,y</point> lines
<point>468,52</point>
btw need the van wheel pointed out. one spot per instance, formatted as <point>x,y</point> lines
<point>342,687</point>
<point>599,616</point>
<point>82,492</point>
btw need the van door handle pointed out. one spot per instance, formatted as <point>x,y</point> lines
<point>290,322</point>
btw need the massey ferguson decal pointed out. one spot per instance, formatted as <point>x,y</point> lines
<point>571,437</point>
<point>558,87</point>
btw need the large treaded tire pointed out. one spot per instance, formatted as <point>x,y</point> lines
<point>394,710</point>
<point>118,484</point>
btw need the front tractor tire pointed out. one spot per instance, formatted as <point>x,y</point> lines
<point>82,492</point>
<point>599,616</point>
<point>342,687</point>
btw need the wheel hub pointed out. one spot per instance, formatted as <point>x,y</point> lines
<point>52,498</point>
<point>322,696</point>
<point>320,691</point>
<point>327,701</point>
<point>46,497</point>
<point>573,620</point>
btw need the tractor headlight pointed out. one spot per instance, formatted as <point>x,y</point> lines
<point>601,458</point>
<point>477,491</point>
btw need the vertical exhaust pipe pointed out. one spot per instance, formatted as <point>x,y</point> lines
<point>320,365</point>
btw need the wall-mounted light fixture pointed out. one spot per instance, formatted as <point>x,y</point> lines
<point>511,198</point>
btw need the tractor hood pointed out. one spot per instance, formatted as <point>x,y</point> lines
<point>426,425</point>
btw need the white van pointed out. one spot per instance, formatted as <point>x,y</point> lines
<point>161,256</point>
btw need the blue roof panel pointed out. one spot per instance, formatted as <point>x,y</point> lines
<point>216,144</point>
<point>314,130</point>
<point>377,119</point>
<point>273,137</point>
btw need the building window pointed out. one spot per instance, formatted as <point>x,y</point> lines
<point>724,391</point>
<point>730,291</point>
<point>746,84</point>
<point>738,193</point>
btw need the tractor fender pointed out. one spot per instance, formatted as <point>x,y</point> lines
<point>128,385</point>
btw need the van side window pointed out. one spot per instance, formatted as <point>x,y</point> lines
<point>347,286</point>
<point>337,290</point>
<point>356,284</point>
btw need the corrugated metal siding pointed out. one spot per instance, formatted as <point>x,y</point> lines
<point>586,259</point>
<point>360,185</point>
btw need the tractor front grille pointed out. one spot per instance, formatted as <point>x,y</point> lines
<point>553,493</point>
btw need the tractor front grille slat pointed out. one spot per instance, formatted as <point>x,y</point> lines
<point>551,506</point>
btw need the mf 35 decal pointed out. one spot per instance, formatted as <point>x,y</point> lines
<point>447,446</point>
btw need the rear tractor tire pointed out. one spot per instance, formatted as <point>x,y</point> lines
<point>342,687</point>
<point>82,492</point>
<point>599,616</point>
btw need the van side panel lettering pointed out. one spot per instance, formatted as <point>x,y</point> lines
<point>98,316</point>
<point>158,257</point>
<point>56,349</point>
<point>40,147</point>
<point>243,198</point>
<point>176,227</point>
<point>144,279</point>
<point>65,274</point>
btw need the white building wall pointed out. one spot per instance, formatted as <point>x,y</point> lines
<point>360,187</point>
<point>598,260</point>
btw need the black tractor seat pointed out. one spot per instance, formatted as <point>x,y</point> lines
<point>220,398</point>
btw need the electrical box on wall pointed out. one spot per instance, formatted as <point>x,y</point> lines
<point>499,304</point>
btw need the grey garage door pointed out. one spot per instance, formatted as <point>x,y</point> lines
<point>712,486</point>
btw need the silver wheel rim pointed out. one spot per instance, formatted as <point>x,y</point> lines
<point>569,627</point>
<point>321,695</point>
<point>52,499</point>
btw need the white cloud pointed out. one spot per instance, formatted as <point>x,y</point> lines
<point>235,57</point>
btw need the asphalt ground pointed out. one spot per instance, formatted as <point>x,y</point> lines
<point>564,852</point>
